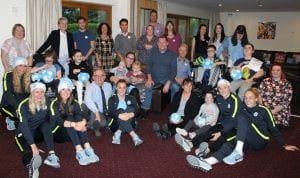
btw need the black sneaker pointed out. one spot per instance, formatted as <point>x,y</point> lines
<point>33,166</point>
<point>156,129</point>
<point>165,133</point>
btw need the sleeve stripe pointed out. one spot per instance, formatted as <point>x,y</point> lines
<point>270,114</point>
<point>235,105</point>
<point>19,109</point>
<point>51,107</point>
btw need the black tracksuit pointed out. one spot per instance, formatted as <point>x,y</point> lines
<point>254,130</point>
<point>33,128</point>
<point>82,66</point>
<point>58,117</point>
<point>113,112</point>
<point>11,99</point>
<point>230,111</point>
<point>191,109</point>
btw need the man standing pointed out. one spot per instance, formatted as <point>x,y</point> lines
<point>125,41</point>
<point>84,40</point>
<point>96,97</point>
<point>159,29</point>
<point>161,67</point>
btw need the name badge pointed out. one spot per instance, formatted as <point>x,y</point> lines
<point>86,37</point>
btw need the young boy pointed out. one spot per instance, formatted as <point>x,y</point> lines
<point>76,67</point>
<point>120,71</point>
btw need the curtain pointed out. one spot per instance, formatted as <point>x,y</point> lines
<point>42,16</point>
<point>215,18</point>
<point>162,11</point>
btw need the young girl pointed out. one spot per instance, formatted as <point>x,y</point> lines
<point>77,67</point>
<point>253,131</point>
<point>120,71</point>
<point>206,118</point>
<point>67,113</point>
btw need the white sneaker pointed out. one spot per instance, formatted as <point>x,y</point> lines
<point>181,131</point>
<point>52,160</point>
<point>198,163</point>
<point>10,124</point>
<point>182,143</point>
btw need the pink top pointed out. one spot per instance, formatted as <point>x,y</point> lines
<point>141,75</point>
<point>174,43</point>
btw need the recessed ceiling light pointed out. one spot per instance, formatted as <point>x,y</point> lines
<point>260,5</point>
<point>220,5</point>
<point>237,10</point>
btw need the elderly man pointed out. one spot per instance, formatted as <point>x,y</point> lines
<point>96,97</point>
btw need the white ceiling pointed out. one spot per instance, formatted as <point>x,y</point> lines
<point>243,5</point>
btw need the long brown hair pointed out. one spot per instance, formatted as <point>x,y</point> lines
<point>70,105</point>
<point>166,29</point>
<point>256,94</point>
<point>21,80</point>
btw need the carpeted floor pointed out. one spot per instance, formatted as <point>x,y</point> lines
<point>154,158</point>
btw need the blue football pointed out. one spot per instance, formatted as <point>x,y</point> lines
<point>236,74</point>
<point>83,77</point>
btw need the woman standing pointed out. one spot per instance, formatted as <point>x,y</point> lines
<point>104,48</point>
<point>218,38</point>
<point>123,109</point>
<point>67,114</point>
<point>15,47</point>
<point>200,43</point>
<point>174,39</point>
<point>146,43</point>
<point>16,88</point>
<point>34,127</point>
<point>277,93</point>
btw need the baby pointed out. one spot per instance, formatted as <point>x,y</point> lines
<point>120,71</point>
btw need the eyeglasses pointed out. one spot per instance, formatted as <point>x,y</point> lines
<point>99,76</point>
<point>132,58</point>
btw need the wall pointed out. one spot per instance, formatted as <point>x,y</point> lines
<point>12,12</point>
<point>120,9</point>
<point>179,9</point>
<point>287,37</point>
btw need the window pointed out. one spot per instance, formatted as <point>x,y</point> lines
<point>145,16</point>
<point>94,13</point>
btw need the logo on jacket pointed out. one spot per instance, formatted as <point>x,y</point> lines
<point>228,106</point>
<point>255,114</point>
<point>128,102</point>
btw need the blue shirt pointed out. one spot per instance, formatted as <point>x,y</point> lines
<point>83,40</point>
<point>183,68</point>
<point>234,52</point>
<point>53,68</point>
<point>162,66</point>
<point>122,104</point>
<point>93,96</point>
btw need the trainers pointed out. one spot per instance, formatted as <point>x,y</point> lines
<point>33,166</point>
<point>10,124</point>
<point>82,158</point>
<point>156,129</point>
<point>116,138</point>
<point>198,163</point>
<point>181,131</point>
<point>183,143</point>
<point>233,158</point>
<point>137,141</point>
<point>165,133</point>
<point>93,158</point>
<point>203,150</point>
<point>96,128</point>
<point>52,160</point>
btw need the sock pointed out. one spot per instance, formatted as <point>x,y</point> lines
<point>211,160</point>
<point>239,147</point>
<point>118,133</point>
<point>135,137</point>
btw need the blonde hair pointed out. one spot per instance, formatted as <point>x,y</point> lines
<point>137,63</point>
<point>33,105</point>
<point>17,82</point>
<point>256,94</point>
<point>62,19</point>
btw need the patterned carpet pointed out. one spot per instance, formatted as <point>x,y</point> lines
<point>154,158</point>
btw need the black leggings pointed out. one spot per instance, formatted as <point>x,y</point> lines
<point>42,133</point>
<point>65,134</point>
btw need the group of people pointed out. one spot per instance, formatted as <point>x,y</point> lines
<point>92,92</point>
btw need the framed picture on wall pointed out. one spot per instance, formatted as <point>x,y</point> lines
<point>266,30</point>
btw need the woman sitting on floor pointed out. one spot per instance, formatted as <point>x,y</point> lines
<point>15,89</point>
<point>123,109</point>
<point>67,114</point>
<point>34,127</point>
<point>253,132</point>
<point>185,105</point>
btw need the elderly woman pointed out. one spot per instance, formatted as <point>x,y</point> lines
<point>277,92</point>
<point>253,132</point>
<point>34,127</point>
<point>16,88</point>
<point>146,43</point>
<point>15,47</point>
<point>123,109</point>
<point>186,104</point>
<point>67,114</point>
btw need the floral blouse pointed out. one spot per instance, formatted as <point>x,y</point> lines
<point>143,52</point>
<point>277,93</point>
